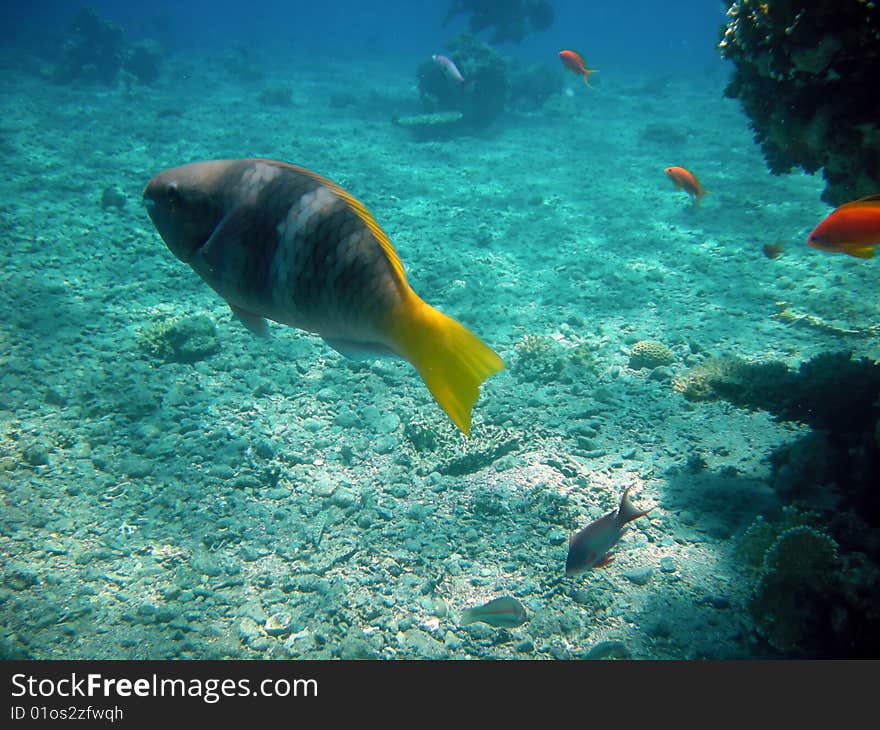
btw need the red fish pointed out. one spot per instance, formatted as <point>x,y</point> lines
<point>449,67</point>
<point>687,181</point>
<point>280,242</point>
<point>573,62</point>
<point>590,547</point>
<point>853,229</point>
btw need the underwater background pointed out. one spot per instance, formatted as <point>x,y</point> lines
<point>174,487</point>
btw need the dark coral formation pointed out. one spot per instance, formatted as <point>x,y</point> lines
<point>510,20</point>
<point>530,88</point>
<point>835,394</point>
<point>481,98</point>
<point>808,601</point>
<point>832,391</point>
<point>812,597</point>
<point>805,73</point>
<point>96,52</point>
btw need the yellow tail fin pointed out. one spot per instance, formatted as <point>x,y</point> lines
<point>450,358</point>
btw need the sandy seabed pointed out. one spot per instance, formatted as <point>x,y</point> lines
<point>275,500</point>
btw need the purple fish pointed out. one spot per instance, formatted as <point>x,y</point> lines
<point>589,548</point>
<point>448,65</point>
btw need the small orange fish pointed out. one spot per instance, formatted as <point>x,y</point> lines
<point>573,62</point>
<point>685,180</point>
<point>853,229</point>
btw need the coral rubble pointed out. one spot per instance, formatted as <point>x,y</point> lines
<point>804,72</point>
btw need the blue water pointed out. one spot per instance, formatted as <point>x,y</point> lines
<point>174,487</point>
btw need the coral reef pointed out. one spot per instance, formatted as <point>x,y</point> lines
<point>184,339</point>
<point>481,98</point>
<point>143,60</point>
<point>831,391</point>
<point>835,394</point>
<point>537,358</point>
<point>650,354</point>
<point>97,52</point>
<point>94,52</point>
<point>802,74</point>
<point>511,20</point>
<point>530,88</point>
<point>808,601</point>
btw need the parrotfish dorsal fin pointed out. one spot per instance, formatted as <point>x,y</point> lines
<point>359,209</point>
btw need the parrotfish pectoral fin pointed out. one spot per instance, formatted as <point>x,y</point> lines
<point>358,350</point>
<point>604,560</point>
<point>254,322</point>
<point>450,358</point>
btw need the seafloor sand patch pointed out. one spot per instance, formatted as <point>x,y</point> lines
<point>276,500</point>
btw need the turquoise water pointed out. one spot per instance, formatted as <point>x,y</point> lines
<point>173,487</point>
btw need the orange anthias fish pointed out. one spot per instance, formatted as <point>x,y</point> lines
<point>590,547</point>
<point>687,181</point>
<point>853,229</point>
<point>280,242</point>
<point>573,62</point>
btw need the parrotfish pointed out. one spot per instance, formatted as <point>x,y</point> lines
<point>685,180</point>
<point>504,612</point>
<point>590,547</point>
<point>573,62</point>
<point>280,242</point>
<point>853,229</point>
<point>449,67</point>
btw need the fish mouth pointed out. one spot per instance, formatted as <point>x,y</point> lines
<point>814,241</point>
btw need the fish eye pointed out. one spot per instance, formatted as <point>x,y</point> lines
<point>172,193</point>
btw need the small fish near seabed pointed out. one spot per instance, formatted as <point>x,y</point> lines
<point>280,242</point>
<point>505,612</point>
<point>685,180</point>
<point>573,62</point>
<point>772,250</point>
<point>449,67</point>
<point>853,229</point>
<point>590,547</point>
